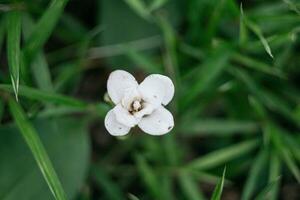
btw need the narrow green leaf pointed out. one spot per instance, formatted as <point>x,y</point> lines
<point>45,96</point>
<point>142,61</point>
<point>222,156</point>
<point>284,150</point>
<point>107,185</point>
<point>43,29</point>
<point>218,127</point>
<point>39,66</point>
<point>256,29</point>
<point>13,48</point>
<point>265,193</point>
<point>275,168</point>
<point>189,186</point>
<point>132,197</point>
<point>254,175</point>
<point>156,4</point>
<point>257,65</point>
<point>148,176</point>
<point>72,103</point>
<point>292,6</point>
<point>219,188</point>
<point>34,143</point>
<point>208,72</point>
<point>139,7</point>
<point>243,37</point>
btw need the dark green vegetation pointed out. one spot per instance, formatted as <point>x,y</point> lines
<point>236,68</point>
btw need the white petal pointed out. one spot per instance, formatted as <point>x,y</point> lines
<point>118,83</point>
<point>124,117</point>
<point>158,123</point>
<point>113,126</point>
<point>147,110</point>
<point>157,89</point>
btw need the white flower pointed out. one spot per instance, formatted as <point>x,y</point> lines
<point>139,104</point>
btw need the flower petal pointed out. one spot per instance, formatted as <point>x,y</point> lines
<point>124,117</point>
<point>158,123</point>
<point>118,83</point>
<point>157,89</point>
<point>113,126</point>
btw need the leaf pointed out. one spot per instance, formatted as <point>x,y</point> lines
<point>67,143</point>
<point>133,197</point>
<point>104,181</point>
<point>243,36</point>
<point>189,186</point>
<point>43,29</point>
<point>284,150</point>
<point>292,6</point>
<point>39,66</point>
<point>34,143</point>
<point>254,176</point>
<point>140,8</point>
<point>222,156</point>
<point>256,29</point>
<point>274,174</point>
<point>148,176</point>
<point>100,108</point>
<point>218,127</point>
<point>219,188</point>
<point>156,4</point>
<point>264,194</point>
<point>13,48</point>
<point>206,74</point>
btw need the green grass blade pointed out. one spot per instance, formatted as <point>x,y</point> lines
<point>148,176</point>
<point>292,6</point>
<point>139,7</point>
<point>218,127</point>
<point>13,48</point>
<point>254,175</point>
<point>222,156</point>
<point>132,197</point>
<point>265,193</point>
<point>219,188</point>
<point>189,186</point>
<point>34,143</point>
<point>156,4</point>
<point>275,168</point>
<point>208,72</point>
<point>257,31</point>
<point>104,181</point>
<point>243,35</point>
<point>43,96</point>
<point>284,151</point>
<point>43,29</point>
<point>39,66</point>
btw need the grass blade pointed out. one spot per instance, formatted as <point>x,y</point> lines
<point>284,151</point>
<point>148,176</point>
<point>190,187</point>
<point>222,156</point>
<point>139,7</point>
<point>275,167</point>
<point>257,31</point>
<point>13,48</point>
<point>34,143</point>
<point>207,74</point>
<point>43,29</point>
<point>254,175</point>
<point>102,179</point>
<point>39,66</point>
<point>218,127</point>
<point>265,193</point>
<point>219,188</point>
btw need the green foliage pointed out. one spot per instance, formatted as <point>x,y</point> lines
<point>68,150</point>
<point>235,69</point>
<point>34,143</point>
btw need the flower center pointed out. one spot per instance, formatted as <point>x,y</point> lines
<point>136,105</point>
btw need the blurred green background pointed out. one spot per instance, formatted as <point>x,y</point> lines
<point>235,65</point>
